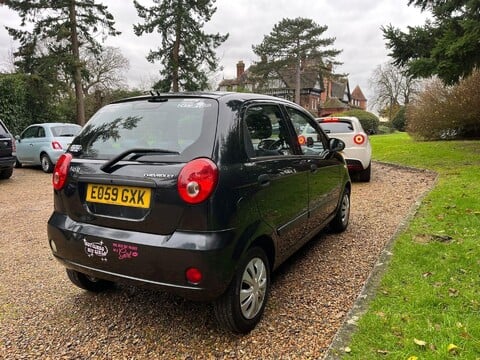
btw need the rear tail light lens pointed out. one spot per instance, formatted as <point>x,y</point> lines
<point>359,139</point>
<point>197,180</point>
<point>61,171</point>
<point>302,140</point>
<point>56,145</point>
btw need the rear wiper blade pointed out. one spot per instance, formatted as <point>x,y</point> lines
<point>107,167</point>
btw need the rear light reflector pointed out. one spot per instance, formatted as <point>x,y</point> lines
<point>194,276</point>
<point>197,180</point>
<point>56,145</point>
<point>60,172</point>
<point>359,139</point>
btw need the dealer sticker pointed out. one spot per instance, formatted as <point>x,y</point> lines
<point>96,249</point>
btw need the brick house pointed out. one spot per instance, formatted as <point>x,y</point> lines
<point>319,94</point>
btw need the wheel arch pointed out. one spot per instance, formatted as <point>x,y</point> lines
<point>266,244</point>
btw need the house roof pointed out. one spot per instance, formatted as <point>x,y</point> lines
<point>310,78</point>
<point>357,94</point>
<point>242,80</point>
<point>334,103</point>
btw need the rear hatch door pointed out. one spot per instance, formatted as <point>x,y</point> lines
<point>127,159</point>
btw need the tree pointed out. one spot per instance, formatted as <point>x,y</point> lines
<point>448,46</point>
<point>186,51</point>
<point>392,87</point>
<point>290,42</point>
<point>105,71</point>
<point>65,27</point>
<point>369,121</point>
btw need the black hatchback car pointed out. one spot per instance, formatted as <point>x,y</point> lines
<point>7,152</point>
<point>199,194</point>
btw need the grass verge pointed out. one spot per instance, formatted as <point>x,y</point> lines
<point>427,305</point>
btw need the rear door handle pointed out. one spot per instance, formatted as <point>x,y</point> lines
<point>264,180</point>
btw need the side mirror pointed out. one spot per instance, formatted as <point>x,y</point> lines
<point>17,137</point>
<point>309,141</point>
<point>336,144</point>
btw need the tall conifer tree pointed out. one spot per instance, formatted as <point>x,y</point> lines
<point>187,53</point>
<point>290,42</point>
<point>447,45</point>
<point>63,27</point>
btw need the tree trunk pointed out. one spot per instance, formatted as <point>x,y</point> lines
<point>176,51</point>
<point>77,66</point>
<point>297,80</point>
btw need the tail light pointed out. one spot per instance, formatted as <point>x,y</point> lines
<point>61,171</point>
<point>302,140</point>
<point>359,139</point>
<point>56,145</point>
<point>14,145</point>
<point>197,180</point>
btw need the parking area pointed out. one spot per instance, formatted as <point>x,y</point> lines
<point>42,315</point>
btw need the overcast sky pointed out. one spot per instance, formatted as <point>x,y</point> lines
<point>354,24</point>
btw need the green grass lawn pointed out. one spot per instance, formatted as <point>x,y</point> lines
<point>427,305</point>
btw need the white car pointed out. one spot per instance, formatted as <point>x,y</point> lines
<point>358,151</point>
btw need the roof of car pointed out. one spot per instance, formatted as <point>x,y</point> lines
<point>52,124</point>
<point>205,94</point>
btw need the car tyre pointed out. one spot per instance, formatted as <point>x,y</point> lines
<point>46,163</point>
<point>365,175</point>
<point>6,173</point>
<point>342,216</point>
<point>89,283</point>
<point>241,307</point>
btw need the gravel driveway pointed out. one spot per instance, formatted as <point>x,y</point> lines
<point>42,315</point>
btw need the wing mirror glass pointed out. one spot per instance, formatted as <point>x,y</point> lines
<point>336,144</point>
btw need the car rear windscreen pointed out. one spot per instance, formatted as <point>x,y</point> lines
<point>3,131</point>
<point>177,126</point>
<point>337,127</point>
<point>66,130</point>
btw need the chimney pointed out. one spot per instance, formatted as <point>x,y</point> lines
<point>240,69</point>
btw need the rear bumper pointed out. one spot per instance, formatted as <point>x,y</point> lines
<point>7,162</point>
<point>357,159</point>
<point>145,259</point>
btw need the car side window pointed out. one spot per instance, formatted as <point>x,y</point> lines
<point>41,132</point>
<point>30,133</point>
<point>311,140</point>
<point>266,133</point>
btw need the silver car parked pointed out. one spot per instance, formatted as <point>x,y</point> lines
<point>42,144</point>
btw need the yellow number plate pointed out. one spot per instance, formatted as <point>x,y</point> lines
<point>119,195</point>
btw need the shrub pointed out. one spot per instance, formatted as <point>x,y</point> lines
<point>369,121</point>
<point>446,112</point>
<point>398,121</point>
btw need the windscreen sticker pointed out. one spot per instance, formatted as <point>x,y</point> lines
<point>194,105</point>
<point>96,249</point>
<point>125,251</point>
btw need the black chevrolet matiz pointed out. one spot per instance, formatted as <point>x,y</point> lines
<point>199,194</point>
